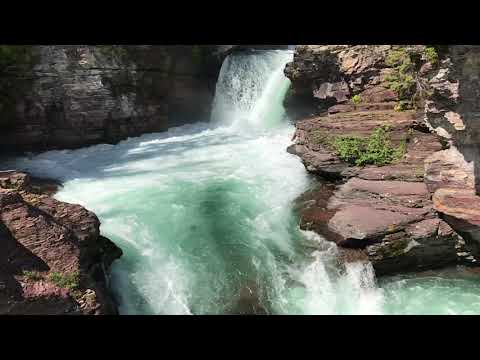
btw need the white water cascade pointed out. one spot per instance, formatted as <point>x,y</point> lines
<point>204,213</point>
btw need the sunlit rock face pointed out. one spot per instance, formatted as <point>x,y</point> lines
<point>53,259</point>
<point>347,90</point>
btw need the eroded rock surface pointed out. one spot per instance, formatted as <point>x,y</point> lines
<point>385,213</point>
<point>53,259</point>
<point>72,96</point>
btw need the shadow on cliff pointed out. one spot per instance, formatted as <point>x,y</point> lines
<point>466,68</point>
<point>14,260</point>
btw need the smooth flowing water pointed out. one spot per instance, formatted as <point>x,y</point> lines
<point>204,215</point>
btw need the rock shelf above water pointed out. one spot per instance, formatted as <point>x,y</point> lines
<point>384,212</point>
<point>53,259</point>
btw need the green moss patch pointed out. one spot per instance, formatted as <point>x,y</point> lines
<point>65,280</point>
<point>32,275</point>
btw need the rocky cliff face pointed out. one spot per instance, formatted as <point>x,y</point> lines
<point>365,116</point>
<point>453,112</point>
<point>54,97</point>
<point>53,259</point>
<point>72,96</point>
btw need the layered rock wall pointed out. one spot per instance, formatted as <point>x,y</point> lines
<point>53,259</point>
<point>73,96</point>
<point>404,199</point>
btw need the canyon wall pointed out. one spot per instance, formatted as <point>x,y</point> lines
<point>392,133</point>
<point>69,96</point>
<point>73,96</point>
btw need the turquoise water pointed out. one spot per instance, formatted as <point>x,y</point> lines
<point>204,216</point>
<point>454,291</point>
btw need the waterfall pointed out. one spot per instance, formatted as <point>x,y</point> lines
<point>250,90</point>
<point>203,214</point>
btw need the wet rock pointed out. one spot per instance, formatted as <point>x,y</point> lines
<point>426,244</point>
<point>365,211</point>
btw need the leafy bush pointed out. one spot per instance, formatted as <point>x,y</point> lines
<point>356,99</point>
<point>431,55</point>
<point>401,80</point>
<point>349,148</point>
<point>68,280</point>
<point>377,149</point>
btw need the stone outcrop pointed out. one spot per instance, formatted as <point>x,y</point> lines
<point>453,108</point>
<point>384,212</point>
<point>461,209</point>
<point>53,259</point>
<point>452,111</point>
<point>73,96</point>
<point>326,75</point>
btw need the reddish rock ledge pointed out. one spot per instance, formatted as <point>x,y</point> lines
<point>382,214</point>
<point>53,259</point>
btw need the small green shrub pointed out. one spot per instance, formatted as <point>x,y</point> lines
<point>377,149</point>
<point>349,148</point>
<point>431,55</point>
<point>402,80</point>
<point>32,275</point>
<point>65,280</point>
<point>356,99</point>
<point>404,105</point>
<point>397,58</point>
<point>403,84</point>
